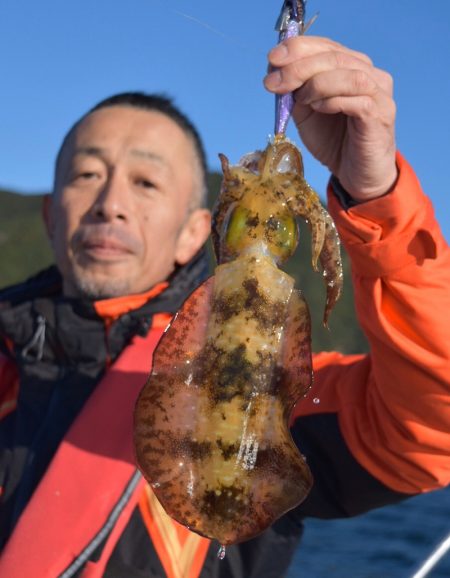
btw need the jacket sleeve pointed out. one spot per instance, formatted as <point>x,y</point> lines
<point>393,405</point>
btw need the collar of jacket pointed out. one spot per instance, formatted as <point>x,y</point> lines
<point>24,307</point>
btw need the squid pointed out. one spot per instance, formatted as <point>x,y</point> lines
<point>211,428</point>
<point>211,424</point>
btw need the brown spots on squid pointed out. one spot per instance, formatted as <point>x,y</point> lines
<point>267,313</point>
<point>197,450</point>
<point>227,450</point>
<point>252,221</point>
<point>227,374</point>
<point>225,502</point>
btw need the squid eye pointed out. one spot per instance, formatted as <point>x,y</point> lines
<point>282,233</point>
<point>237,227</point>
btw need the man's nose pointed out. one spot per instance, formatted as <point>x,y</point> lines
<point>111,202</point>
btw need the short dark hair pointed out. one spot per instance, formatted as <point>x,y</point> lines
<point>158,103</point>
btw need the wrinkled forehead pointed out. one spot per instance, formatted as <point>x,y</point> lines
<point>121,131</point>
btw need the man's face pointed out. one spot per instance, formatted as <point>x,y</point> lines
<point>119,218</point>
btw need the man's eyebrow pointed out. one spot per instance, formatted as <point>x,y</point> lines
<point>90,151</point>
<point>136,153</point>
<point>148,155</point>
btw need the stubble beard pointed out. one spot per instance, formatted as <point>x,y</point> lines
<point>95,288</point>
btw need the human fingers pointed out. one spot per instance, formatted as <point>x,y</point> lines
<point>362,107</point>
<point>297,47</point>
<point>346,84</point>
<point>295,73</point>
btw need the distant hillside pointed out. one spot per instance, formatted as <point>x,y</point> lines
<point>23,243</point>
<point>24,250</point>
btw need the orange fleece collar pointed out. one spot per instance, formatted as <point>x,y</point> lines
<point>111,309</point>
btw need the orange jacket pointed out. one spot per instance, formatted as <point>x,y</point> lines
<point>393,405</point>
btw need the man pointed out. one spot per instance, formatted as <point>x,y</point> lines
<point>126,225</point>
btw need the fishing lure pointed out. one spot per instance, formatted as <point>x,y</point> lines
<point>211,424</point>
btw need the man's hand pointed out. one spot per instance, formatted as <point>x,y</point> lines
<point>344,110</point>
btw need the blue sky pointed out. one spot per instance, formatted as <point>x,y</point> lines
<point>58,58</point>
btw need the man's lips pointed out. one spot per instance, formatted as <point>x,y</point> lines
<point>105,245</point>
<point>105,249</point>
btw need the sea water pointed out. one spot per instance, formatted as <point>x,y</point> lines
<point>391,542</point>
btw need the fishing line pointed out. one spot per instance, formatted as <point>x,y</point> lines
<point>216,31</point>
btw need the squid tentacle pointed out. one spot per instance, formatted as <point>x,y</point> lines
<point>330,259</point>
<point>306,204</point>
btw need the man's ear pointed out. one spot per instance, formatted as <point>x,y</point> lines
<point>47,215</point>
<point>192,236</point>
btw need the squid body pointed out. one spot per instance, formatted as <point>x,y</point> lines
<point>211,424</point>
